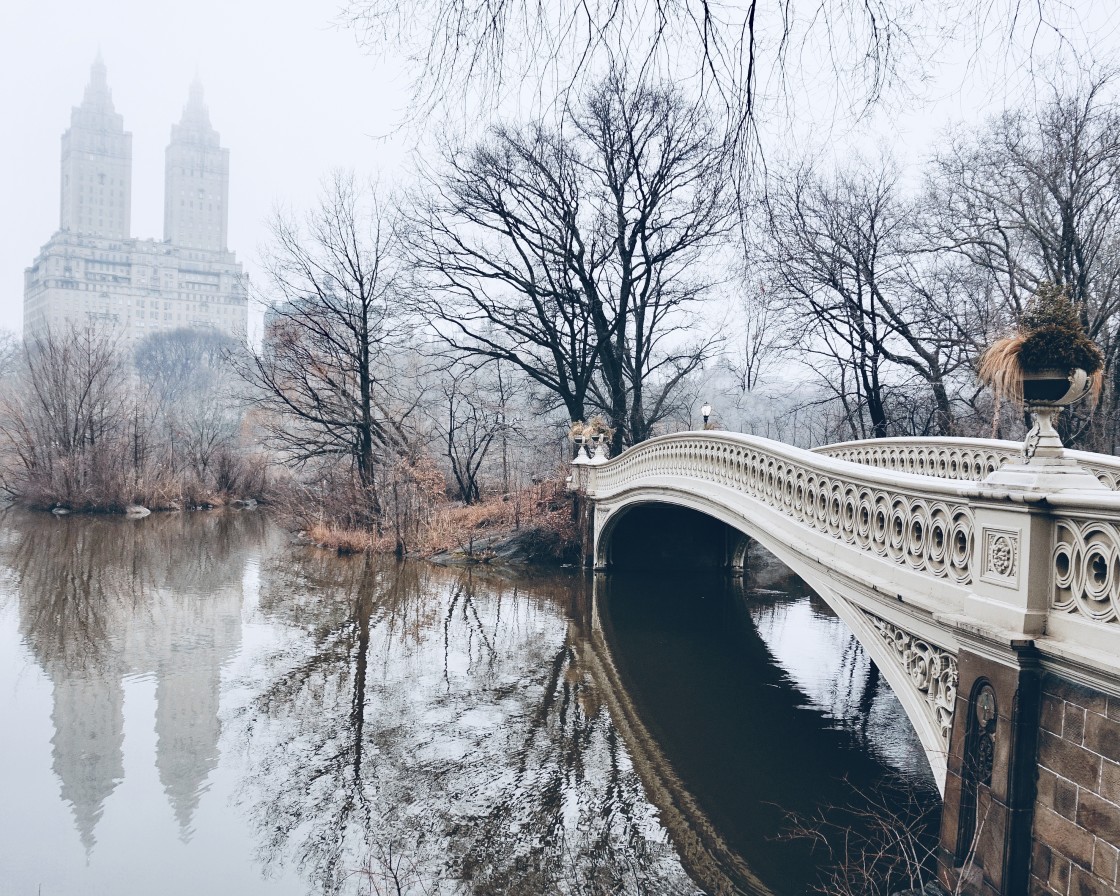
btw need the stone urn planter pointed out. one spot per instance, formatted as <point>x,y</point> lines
<point>590,440</point>
<point>1047,364</point>
<point>1054,387</point>
<point>1045,393</point>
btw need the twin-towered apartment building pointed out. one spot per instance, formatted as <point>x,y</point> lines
<point>94,272</point>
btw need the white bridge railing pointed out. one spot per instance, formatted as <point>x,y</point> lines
<point>921,521</point>
<point>956,458</point>
<point>1085,549</point>
<point>923,504</point>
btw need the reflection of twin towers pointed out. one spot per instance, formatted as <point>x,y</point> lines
<point>101,600</point>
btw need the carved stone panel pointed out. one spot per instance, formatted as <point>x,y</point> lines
<point>932,670</point>
<point>1001,557</point>
<point>1086,569</point>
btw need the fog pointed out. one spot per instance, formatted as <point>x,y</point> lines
<point>293,96</point>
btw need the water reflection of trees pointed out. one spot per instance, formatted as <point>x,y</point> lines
<point>82,581</point>
<point>436,731</point>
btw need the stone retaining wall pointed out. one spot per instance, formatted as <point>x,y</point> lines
<point>1077,808</point>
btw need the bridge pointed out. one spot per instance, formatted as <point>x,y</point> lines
<point>984,585</point>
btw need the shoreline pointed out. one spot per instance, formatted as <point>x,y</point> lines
<point>530,528</point>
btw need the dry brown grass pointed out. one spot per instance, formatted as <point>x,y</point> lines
<point>453,525</point>
<point>540,514</point>
<point>1000,368</point>
<point>344,541</point>
<point>1096,384</point>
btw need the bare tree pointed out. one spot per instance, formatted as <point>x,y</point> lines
<point>875,306</point>
<point>179,362</point>
<point>187,375</point>
<point>1034,198</point>
<point>761,336</point>
<point>884,840</point>
<point>63,421</point>
<point>468,424</point>
<point>573,253</point>
<point>326,375</point>
<point>733,53</point>
<point>9,353</point>
<point>81,428</point>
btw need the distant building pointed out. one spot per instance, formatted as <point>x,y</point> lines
<point>92,271</point>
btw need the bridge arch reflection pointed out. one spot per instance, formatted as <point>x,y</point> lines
<point>716,718</point>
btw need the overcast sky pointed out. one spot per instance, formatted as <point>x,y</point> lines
<point>292,97</point>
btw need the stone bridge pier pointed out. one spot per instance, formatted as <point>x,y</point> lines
<point>985,588</point>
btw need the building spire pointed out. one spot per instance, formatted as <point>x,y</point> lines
<point>195,114</point>
<point>97,91</point>
<point>196,181</point>
<point>96,190</point>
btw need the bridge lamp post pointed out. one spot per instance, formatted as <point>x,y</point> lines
<point>706,410</point>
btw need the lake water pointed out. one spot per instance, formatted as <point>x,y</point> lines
<point>191,704</point>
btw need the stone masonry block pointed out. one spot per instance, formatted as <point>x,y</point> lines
<point>1064,838</point>
<point>1102,735</point>
<point>1069,760</point>
<point>1040,860</point>
<point>1073,728</point>
<point>1044,788</point>
<point>1065,798</point>
<point>1110,781</point>
<point>1085,883</point>
<point>1052,712</point>
<point>1105,859</point>
<point>1059,874</point>
<point>1099,817</point>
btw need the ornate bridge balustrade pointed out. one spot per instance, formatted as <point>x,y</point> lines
<point>1084,567</point>
<point>1084,571</point>
<point>985,589</point>
<point>956,458</point>
<point>925,524</point>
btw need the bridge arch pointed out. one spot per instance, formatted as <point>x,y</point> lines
<point>666,535</point>
<point>956,563</point>
<point>735,527</point>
